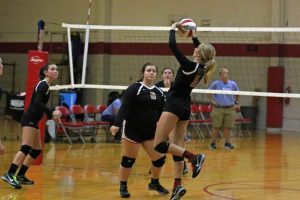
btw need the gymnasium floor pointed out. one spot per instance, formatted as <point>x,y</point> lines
<point>263,166</point>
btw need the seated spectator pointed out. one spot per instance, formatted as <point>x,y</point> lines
<point>110,113</point>
<point>112,96</point>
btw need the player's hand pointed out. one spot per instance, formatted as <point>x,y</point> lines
<point>57,120</point>
<point>167,83</point>
<point>175,25</point>
<point>114,130</point>
<point>194,34</point>
<point>56,114</point>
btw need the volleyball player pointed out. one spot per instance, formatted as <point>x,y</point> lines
<point>167,78</point>
<point>167,82</point>
<point>177,110</point>
<point>31,140</point>
<point>142,104</point>
<point>2,148</point>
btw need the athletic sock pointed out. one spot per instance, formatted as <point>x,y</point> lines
<point>189,155</point>
<point>13,168</point>
<point>23,170</point>
<point>154,181</point>
<point>177,181</point>
<point>123,183</point>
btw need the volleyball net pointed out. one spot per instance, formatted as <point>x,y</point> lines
<point>265,62</point>
<point>113,55</point>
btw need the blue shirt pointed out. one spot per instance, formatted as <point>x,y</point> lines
<point>224,99</point>
<point>110,110</point>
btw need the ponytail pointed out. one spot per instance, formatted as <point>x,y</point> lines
<point>208,54</point>
<point>43,71</point>
<point>211,67</point>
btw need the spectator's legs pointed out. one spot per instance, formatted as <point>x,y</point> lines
<point>217,117</point>
<point>214,135</point>
<point>227,135</point>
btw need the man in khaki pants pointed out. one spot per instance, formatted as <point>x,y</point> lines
<point>224,107</point>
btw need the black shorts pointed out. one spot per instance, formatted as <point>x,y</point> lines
<point>29,120</point>
<point>138,136</point>
<point>179,106</point>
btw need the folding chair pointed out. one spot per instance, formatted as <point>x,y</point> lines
<point>101,108</point>
<point>90,126</point>
<point>92,115</point>
<point>195,122</point>
<point>205,115</point>
<point>239,120</point>
<point>105,125</point>
<point>67,126</point>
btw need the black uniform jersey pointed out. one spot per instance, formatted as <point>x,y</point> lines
<point>189,73</point>
<point>188,76</point>
<point>141,108</point>
<point>39,99</point>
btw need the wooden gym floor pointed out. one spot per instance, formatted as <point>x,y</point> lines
<point>263,166</point>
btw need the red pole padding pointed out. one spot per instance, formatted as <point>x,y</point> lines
<point>275,104</point>
<point>36,60</point>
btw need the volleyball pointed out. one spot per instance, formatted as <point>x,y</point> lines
<point>186,28</point>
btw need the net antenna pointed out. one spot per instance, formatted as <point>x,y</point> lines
<point>40,37</point>
<point>86,44</point>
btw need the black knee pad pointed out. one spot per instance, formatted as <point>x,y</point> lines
<point>160,162</point>
<point>25,149</point>
<point>162,147</point>
<point>178,158</point>
<point>34,153</point>
<point>127,162</point>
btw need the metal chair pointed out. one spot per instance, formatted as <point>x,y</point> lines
<point>67,126</point>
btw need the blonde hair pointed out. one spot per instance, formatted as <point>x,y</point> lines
<point>208,54</point>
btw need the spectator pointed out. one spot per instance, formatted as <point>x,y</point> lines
<point>224,108</point>
<point>112,96</point>
<point>110,113</point>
